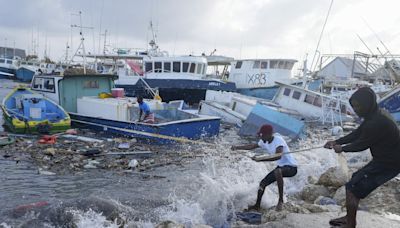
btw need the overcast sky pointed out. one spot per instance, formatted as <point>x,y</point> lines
<point>237,28</point>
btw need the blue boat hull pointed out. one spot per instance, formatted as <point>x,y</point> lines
<point>24,74</point>
<point>7,71</point>
<point>282,123</point>
<point>166,133</point>
<point>191,91</point>
<point>392,104</point>
<point>265,93</point>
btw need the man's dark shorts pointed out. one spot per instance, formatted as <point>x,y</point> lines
<point>370,177</point>
<point>287,171</point>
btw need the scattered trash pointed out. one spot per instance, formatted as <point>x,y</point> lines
<point>83,138</point>
<point>41,171</point>
<point>124,146</point>
<point>6,140</point>
<point>249,217</point>
<point>133,163</point>
<point>48,139</point>
<point>71,132</point>
<point>50,151</point>
<point>130,153</point>
<point>147,162</point>
<point>31,206</point>
<point>90,152</point>
<point>323,200</point>
<point>91,164</point>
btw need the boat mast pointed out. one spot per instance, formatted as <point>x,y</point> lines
<point>82,44</point>
<point>320,37</point>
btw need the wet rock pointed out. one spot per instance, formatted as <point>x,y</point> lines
<point>169,224</point>
<point>314,208</point>
<point>323,200</point>
<point>340,196</point>
<point>311,192</point>
<point>334,177</point>
<point>312,180</point>
<point>201,226</point>
<point>272,215</point>
<point>318,220</point>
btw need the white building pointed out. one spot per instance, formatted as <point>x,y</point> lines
<point>342,68</point>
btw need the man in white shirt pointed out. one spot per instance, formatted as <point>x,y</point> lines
<point>286,164</point>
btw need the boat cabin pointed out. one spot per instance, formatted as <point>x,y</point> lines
<point>65,90</point>
<point>312,104</point>
<point>258,73</point>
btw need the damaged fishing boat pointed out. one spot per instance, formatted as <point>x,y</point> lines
<point>28,112</point>
<point>81,95</point>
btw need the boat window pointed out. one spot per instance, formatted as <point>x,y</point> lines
<point>309,99</point>
<point>149,66</point>
<point>48,84</point>
<point>281,65</point>
<point>157,67</point>
<point>287,91</point>
<point>332,104</point>
<point>256,65</point>
<point>9,61</point>
<point>176,67</point>
<point>273,64</point>
<point>37,83</point>
<point>30,64</point>
<point>198,70</point>
<point>167,67</point>
<point>192,67</point>
<point>2,60</point>
<point>23,63</point>
<point>238,65</point>
<point>203,69</point>
<point>318,101</point>
<point>296,95</point>
<point>185,67</point>
<point>264,65</point>
<point>91,84</point>
<point>289,65</point>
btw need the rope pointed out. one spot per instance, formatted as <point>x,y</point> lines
<point>267,157</point>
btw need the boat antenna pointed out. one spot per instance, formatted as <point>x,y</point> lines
<point>101,21</point>
<point>82,44</point>
<point>320,37</point>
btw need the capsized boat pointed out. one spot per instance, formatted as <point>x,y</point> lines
<point>28,112</point>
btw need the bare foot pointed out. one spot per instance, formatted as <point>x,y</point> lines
<point>279,206</point>
<point>342,221</point>
<point>253,208</point>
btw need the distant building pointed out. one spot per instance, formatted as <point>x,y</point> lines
<point>343,68</point>
<point>10,52</point>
